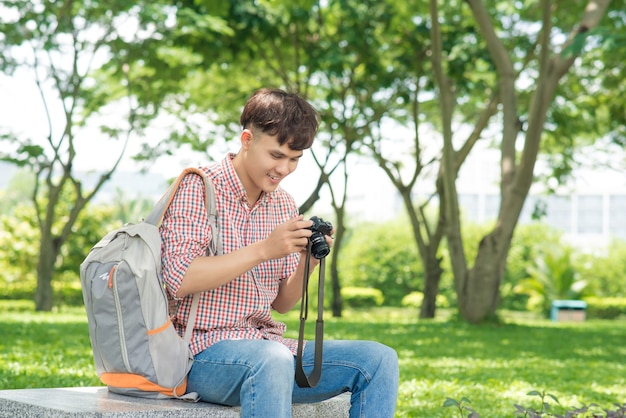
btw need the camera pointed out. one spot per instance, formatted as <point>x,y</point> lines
<point>319,246</point>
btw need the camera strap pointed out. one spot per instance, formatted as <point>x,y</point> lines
<point>313,379</point>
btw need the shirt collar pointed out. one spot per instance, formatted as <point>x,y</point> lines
<point>234,183</point>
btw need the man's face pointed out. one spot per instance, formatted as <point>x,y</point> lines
<point>267,162</point>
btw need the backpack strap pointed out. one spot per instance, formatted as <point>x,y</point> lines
<point>191,321</point>
<point>215,247</point>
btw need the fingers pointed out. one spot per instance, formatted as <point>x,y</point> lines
<point>289,237</point>
<point>298,223</point>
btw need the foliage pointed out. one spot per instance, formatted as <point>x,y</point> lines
<point>526,94</point>
<point>553,276</point>
<point>494,365</point>
<point>523,253</point>
<point>17,191</point>
<point>382,256</point>
<point>604,270</point>
<point>362,297</point>
<point>605,307</point>
<point>105,66</point>
<point>19,238</point>
<point>546,409</point>
<point>19,246</point>
<point>366,65</point>
<point>462,406</point>
<point>415,299</point>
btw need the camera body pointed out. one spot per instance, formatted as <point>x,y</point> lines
<point>319,246</point>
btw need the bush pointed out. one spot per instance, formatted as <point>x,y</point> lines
<point>605,271</point>
<point>362,297</point>
<point>605,308</point>
<point>384,257</point>
<point>522,255</point>
<point>19,251</point>
<point>414,300</point>
<point>552,276</point>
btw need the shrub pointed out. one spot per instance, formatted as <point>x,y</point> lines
<point>522,255</point>
<point>552,276</point>
<point>19,251</point>
<point>384,257</point>
<point>362,297</point>
<point>605,308</point>
<point>605,270</point>
<point>414,300</point>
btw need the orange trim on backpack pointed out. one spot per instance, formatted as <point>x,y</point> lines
<point>160,329</point>
<point>135,381</point>
<point>110,279</point>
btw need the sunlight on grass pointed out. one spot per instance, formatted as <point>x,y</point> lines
<point>494,365</point>
<point>44,349</point>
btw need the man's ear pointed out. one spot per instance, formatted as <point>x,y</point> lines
<point>246,138</point>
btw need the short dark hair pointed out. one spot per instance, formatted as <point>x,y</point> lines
<point>285,115</point>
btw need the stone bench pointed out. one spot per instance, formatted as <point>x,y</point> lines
<point>98,402</point>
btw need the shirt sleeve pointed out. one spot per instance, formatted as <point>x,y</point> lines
<point>185,231</point>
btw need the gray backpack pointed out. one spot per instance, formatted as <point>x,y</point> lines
<point>136,349</point>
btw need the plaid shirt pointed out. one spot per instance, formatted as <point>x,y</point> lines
<point>240,309</point>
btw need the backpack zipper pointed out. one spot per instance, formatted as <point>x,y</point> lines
<point>120,322</point>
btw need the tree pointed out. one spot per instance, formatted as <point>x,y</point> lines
<point>480,79</point>
<point>522,127</point>
<point>88,59</point>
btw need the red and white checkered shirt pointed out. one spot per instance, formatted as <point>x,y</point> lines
<point>240,309</point>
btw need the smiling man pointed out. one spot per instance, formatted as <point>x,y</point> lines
<point>240,354</point>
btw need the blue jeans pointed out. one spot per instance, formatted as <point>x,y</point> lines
<point>259,376</point>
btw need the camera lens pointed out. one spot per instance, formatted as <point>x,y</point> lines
<point>319,246</point>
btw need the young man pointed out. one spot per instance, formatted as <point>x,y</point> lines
<point>241,356</point>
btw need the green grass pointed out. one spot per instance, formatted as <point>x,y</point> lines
<point>492,365</point>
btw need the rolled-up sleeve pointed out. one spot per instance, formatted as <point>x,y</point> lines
<point>185,232</point>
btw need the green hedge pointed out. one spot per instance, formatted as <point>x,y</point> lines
<point>66,290</point>
<point>414,300</point>
<point>605,308</point>
<point>362,297</point>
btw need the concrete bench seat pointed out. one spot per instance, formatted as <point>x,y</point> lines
<point>98,402</point>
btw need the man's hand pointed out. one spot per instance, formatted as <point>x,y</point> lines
<point>288,238</point>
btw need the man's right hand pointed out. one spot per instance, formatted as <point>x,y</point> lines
<point>288,238</point>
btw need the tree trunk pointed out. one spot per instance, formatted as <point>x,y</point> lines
<point>340,229</point>
<point>432,277</point>
<point>481,293</point>
<point>336,301</point>
<point>44,296</point>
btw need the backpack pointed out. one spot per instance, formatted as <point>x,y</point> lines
<point>136,348</point>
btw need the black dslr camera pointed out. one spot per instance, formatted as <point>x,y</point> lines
<point>319,246</point>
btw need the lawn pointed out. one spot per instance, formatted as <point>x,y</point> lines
<point>493,366</point>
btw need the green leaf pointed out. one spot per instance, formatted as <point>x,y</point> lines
<point>553,397</point>
<point>450,402</point>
